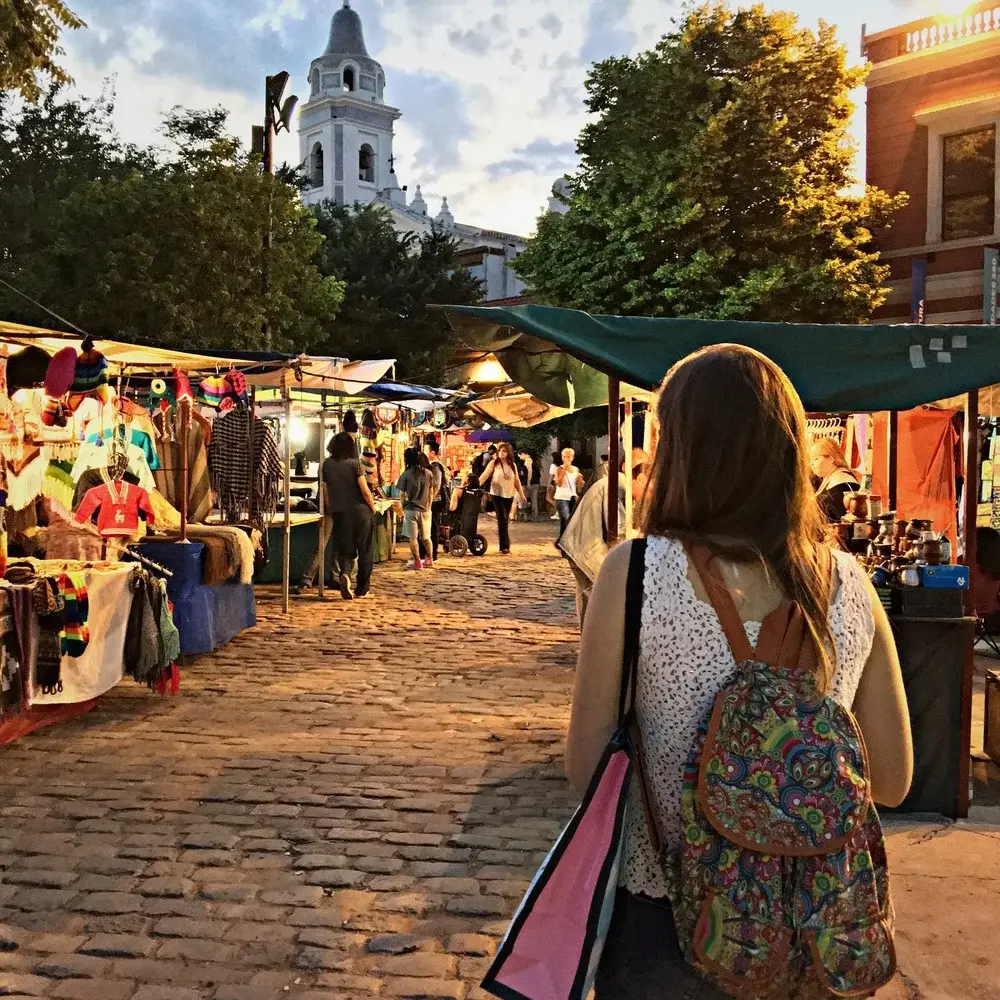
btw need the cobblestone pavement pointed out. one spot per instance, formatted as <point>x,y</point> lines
<point>349,803</point>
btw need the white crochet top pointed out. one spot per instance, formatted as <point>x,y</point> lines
<point>684,659</point>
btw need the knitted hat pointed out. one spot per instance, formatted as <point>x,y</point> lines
<point>60,373</point>
<point>182,386</point>
<point>212,390</point>
<point>91,369</point>
<point>27,369</point>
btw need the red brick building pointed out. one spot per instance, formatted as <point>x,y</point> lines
<point>933,130</point>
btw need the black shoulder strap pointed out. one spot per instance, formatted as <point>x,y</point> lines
<point>633,625</point>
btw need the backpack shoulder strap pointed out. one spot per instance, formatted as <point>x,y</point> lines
<point>722,601</point>
<point>633,626</point>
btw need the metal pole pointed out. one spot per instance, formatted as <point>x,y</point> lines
<point>627,448</point>
<point>269,134</point>
<point>614,458</point>
<point>971,502</point>
<point>287,547</point>
<point>185,411</point>
<point>322,504</point>
<point>252,424</point>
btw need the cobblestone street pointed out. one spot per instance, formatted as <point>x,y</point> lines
<point>349,803</point>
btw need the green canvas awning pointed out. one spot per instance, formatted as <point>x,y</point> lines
<point>564,356</point>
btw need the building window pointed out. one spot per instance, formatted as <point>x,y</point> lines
<point>366,164</point>
<point>349,80</point>
<point>969,184</point>
<point>314,81</point>
<point>316,166</point>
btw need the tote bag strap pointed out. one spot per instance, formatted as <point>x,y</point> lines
<point>633,626</point>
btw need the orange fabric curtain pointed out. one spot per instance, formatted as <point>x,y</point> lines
<point>926,477</point>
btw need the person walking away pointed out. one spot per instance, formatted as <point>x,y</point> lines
<point>416,485</point>
<point>585,541</point>
<point>505,486</point>
<point>345,489</point>
<point>524,474</point>
<point>354,525</point>
<point>442,492</point>
<point>731,539</point>
<point>567,478</point>
<point>533,484</point>
<point>833,477</point>
<point>550,488</point>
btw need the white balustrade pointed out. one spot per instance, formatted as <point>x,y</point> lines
<point>967,26</point>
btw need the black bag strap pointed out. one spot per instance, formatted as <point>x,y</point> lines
<point>633,626</point>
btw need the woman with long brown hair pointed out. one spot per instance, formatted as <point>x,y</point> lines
<point>505,486</point>
<point>729,484</point>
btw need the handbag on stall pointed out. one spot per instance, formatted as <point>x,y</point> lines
<point>554,944</point>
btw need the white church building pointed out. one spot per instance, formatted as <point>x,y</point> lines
<point>345,139</point>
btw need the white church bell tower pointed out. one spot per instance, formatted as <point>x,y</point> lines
<point>346,128</point>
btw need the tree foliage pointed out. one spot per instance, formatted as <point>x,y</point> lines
<point>29,44</point>
<point>391,278</point>
<point>160,245</point>
<point>713,181</point>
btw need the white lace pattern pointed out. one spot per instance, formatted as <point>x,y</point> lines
<point>684,659</point>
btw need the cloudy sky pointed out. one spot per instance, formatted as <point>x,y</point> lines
<point>491,92</point>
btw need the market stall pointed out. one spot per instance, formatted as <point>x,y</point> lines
<point>311,393</point>
<point>836,370</point>
<point>103,443</point>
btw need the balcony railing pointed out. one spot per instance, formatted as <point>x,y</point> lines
<point>951,29</point>
<point>932,32</point>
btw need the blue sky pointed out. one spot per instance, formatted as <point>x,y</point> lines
<point>491,92</point>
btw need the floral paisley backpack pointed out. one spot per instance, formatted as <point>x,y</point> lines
<point>780,889</point>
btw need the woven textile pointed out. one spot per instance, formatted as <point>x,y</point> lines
<point>233,470</point>
<point>168,475</point>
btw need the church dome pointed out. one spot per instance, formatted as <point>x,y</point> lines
<point>347,36</point>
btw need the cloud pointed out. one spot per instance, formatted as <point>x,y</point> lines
<point>607,31</point>
<point>436,112</point>
<point>540,156</point>
<point>551,25</point>
<point>472,42</point>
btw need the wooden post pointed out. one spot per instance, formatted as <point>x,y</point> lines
<point>970,501</point>
<point>892,454</point>
<point>628,531</point>
<point>184,407</point>
<point>321,502</point>
<point>287,546</point>
<point>614,459</point>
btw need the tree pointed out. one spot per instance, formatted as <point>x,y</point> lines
<point>160,246</point>
<point>391,278</point>
<point>713,182</point>
<point>29,44</point>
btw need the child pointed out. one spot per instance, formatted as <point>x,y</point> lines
<point>417,488</point>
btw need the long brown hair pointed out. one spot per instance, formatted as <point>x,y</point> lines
<point>505,456</point>
<point>731,472</point>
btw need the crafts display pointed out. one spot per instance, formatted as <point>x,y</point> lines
<point>902,557</point>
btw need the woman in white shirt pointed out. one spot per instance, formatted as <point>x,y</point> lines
<point>567,479</point>
<point>750,511</point>
<point>505,485</point>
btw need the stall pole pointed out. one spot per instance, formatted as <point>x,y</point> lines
<point>892,453</point>
<point>627,449</point>
<point>185,411</point>
<point>250,445</point>
<point>971,501</point>
<point>320,500</point>
<point>614,458</point>
<point>287,547</point>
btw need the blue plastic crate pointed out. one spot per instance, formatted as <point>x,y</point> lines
<point>945,577</point>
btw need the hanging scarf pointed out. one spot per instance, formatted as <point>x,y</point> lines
<point>50,607</point>
<point>75,635</point>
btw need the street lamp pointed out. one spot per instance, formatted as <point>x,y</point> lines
<point>277,116</point>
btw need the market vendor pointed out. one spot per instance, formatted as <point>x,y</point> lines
<point>833,477</point>
<point>585,541</point>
